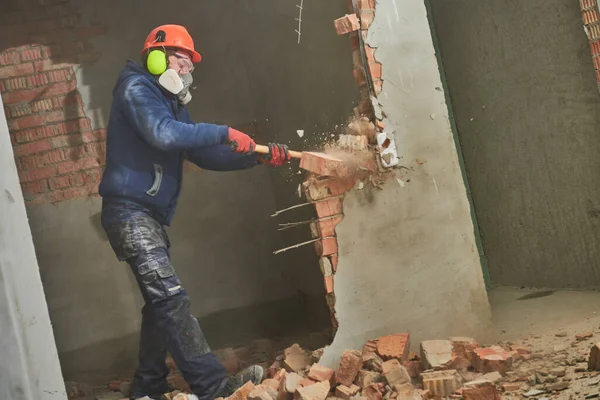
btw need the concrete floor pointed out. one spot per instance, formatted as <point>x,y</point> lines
<point>562,310</point>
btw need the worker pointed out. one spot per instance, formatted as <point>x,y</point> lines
<point>150,134</point>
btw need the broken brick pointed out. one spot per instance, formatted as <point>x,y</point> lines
<point>321,373</point>
<point>511,386</point>
<point>594,358</point>
<point>494,358</point>
<point>436,354</point>
<point>350,364</point>
<point>369,347</point>
<point>346,392</point>
<point>440,383</point>
<point>322,164</point>
<point>291,382</point>
<point>296,359</point>
<point>584,336</point>
<point>372,392</point>
<point>326,247</point>
<point>522,350</point>
<point>346,24</point>
<point>394,346</point>
<point>366,378</point>
<point>243,392</point>
<point>395,373</point>
<point>259,392</point>
<point>328,208</point>
<point>306,382</point>
<point>481,391</point>
<point>318,391</point>
<point>462,352</point>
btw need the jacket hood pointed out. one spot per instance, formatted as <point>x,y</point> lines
<point>133,69</point>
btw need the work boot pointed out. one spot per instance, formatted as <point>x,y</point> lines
<point>252,374</point>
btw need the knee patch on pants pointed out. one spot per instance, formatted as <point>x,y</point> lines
<point>156,275</point>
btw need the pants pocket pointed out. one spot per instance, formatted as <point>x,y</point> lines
<point>157,278</point>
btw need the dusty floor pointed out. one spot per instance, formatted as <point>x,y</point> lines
<point>514,318</point>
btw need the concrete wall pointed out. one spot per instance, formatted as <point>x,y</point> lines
<point>522,85</point>
<point>408,258</point>
<point>253,70</point>
<point>30,368</point>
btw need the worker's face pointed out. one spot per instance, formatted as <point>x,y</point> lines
<point>181,62</point>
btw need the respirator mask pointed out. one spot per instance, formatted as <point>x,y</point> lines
<point>179,85</point>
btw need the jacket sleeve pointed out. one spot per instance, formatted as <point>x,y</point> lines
<point>221,158</point>
<point>146,111</point>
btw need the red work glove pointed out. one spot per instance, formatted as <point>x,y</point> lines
<point>278,155</point>
<point>240,142</point>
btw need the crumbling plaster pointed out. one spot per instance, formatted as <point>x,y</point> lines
<point>408,260</point>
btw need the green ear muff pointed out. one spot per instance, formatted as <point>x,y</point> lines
<point>157,62</point>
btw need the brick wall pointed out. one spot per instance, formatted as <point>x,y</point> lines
<point>328,194</point>
<point>591,22</point>
<point>58,154</point>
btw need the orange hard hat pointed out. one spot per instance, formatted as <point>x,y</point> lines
<point>171,36</point>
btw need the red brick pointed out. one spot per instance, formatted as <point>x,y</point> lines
<point>354,42</point>
<point>317,391</point>
<point>346,24</point>
<point>365,5</point>
<point>350,364</point>
<point>359,76</point>
<point>366,19</point>
<point>462,352</point>
<point>414,368</point>
<point>28,122</point>
<point>32,54</point>
<point>60,182</point>
<point>375,70</point>
<point>328,208</point>
<point>321,373</point>
<point>306,382</point>
<point>9,58</point>
<point>584,336</point>
<point>329,284</point>
<point>378,87</point>
<point>34,187</point>
<point>37,174</point>
<point>61,75</point>
<point>394,346</point>
<point>327,226</point>
<point>346,392</point>
<point>243,392</point>
<point>33,147</point>
<point>21,96</point>
<point>16,70</point>
<point>491,359</point>
<point>481,391</point>
<point>326,247</point>
<point>18,110</point>
<point>318,189</point>
<point>37,80</point>
<point>78,165</point>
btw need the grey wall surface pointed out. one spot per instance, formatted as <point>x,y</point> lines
<point>526,102</point>
<point>253,70</point>
<point>30,367</point>
<point>408,258</point>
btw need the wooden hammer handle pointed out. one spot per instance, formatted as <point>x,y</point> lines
<point>265,150</point>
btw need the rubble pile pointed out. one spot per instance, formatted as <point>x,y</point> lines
<point>563,367</point>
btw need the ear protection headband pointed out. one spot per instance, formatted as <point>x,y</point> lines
<point>157,61</point>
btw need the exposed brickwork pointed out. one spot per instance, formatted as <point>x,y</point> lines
<point>58,154</point>
<point>591,21</point>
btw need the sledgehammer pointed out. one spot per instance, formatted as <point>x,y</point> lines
<point>317,163</point>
